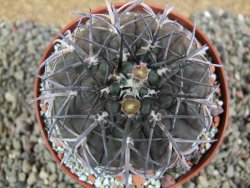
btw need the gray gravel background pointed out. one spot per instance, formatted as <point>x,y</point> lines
<point>24,159</point>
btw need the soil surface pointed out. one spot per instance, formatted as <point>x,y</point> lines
<point>57,12</point>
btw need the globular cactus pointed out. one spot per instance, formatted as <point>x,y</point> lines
<point>128,92</point>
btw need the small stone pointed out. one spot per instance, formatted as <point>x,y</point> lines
<point>215,173</point>
<point>239,95</point>
<point>16,144</point>
<point>10,97</point>
<point>46,154</point>
<point>46,181</point>
<point>230,171</point>
<point>28,146</point>
<point>12,176</point>
<point>202,180</point>
<point>91,178</point>
<point>1,128</point>
<point>52,167</point>
<point>98,183</point>
<point>21,125</point>
<point>213,182</point>
<point>242,164</point>
<point>52,178</point>
<point>248,162</point>
<point>34,168</point>
<point>225,185</point>
<point>189,185</point>
<point>26,167</point>
<point>158,184</point>
<point>19,75</point>
<point>207,14</point>
<point>7,147</point>
<point>106,181</point>
<point>22,176</point>
<point>2,175</point>
<point>61,184</point>
<point>240,17</point>
<point>83,178</point>
<point>43,174</point>
<point>32,178</point>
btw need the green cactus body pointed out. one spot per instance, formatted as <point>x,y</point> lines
<point>129,92</point>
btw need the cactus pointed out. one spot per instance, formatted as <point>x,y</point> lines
<point>128,92</point>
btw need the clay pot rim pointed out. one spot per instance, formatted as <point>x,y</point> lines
<point>224,118</point>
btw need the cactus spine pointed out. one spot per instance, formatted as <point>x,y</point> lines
<point>128,92</point>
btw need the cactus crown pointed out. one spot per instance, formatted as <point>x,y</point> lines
<point>128,92</point>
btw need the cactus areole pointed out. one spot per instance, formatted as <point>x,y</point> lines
<point>127,92</point>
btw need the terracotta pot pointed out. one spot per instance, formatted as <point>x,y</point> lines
<point>206,158</point>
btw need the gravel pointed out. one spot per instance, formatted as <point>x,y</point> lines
<point>26,166</point>
<point>24,159</point>
<point>231,36</point>
<point>32,178</point>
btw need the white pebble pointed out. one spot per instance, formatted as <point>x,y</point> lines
<point>213,76</point>
<point>83,178</point>
<point>106,181</point>
<point>158,184</point>
<point>90,182</point>
<point>220,103</point>
<point>98,183</point>
<point>215,173</point>
<point>241,17</point>
<point>208,145</point>
<point>239,141</point>
<point>152,181</point>
<point>207,14</point>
